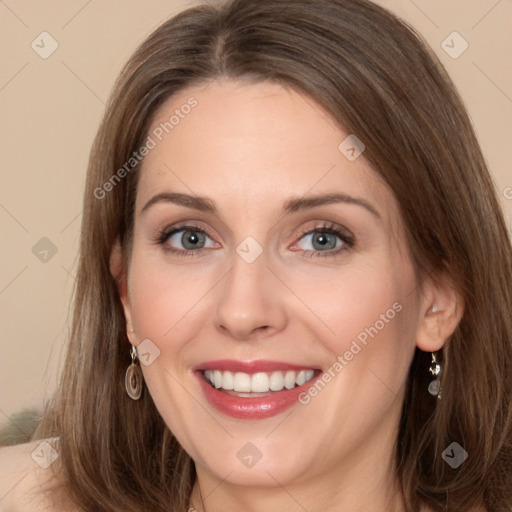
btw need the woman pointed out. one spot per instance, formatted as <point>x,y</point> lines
<point>293,290</point>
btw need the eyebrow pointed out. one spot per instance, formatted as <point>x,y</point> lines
<point>303,203</point>
<point>202,204</point>
<point>292,205</point>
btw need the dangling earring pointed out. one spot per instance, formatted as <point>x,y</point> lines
<point>434,388</point>
<point>133,377</point>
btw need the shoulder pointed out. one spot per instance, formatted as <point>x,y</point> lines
<point>30,478</point>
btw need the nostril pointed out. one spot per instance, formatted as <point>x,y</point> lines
<point>247,334</point>
<point>259,332</point>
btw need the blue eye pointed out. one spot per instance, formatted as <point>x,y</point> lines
<point>185,239</point>
<point>321,241</point>
<point>324,241</point>
<point>188,239</point>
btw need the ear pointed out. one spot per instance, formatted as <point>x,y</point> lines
<point>120,274</point>
<point>441,310</point>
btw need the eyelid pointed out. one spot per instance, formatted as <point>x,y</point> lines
<point>190,225</point>
<point>326,226</point>
<point>341,232</point>
<point>346,237</point>
<point>164,234</point>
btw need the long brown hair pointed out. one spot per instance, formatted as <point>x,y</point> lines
<point>373,74</point>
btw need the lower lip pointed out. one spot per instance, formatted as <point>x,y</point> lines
<point>256,408</point>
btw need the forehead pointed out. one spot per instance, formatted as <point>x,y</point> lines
<point>255,144</point>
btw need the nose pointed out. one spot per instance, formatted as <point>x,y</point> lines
<point>250,304</point>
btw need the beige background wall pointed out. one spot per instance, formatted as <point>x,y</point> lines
<point>50,109</point>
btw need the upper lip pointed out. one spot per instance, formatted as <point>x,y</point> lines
<point>250,366</point>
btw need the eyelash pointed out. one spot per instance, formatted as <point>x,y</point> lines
<point>348,241</point>
<point>165,234</point>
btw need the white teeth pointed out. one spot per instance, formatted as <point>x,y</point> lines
<point>276,381</point>
<point>242,382</point>
<point>228,381</point>
<point>301,378</point>
<point>289,379</point>
<point>260,382</point>
<point>217,379</point>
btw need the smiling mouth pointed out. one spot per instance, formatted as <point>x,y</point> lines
<point>243,384</point>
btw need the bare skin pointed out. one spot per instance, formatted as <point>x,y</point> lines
<point>31,479</point>
<point>248,149</point>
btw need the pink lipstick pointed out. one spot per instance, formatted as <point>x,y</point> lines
<point>253,389</point>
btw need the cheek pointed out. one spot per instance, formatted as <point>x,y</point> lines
<point>380,334</point>
<point>371,316</point>
<point>165,298</point>
<point>368,324</point>
<point>360,302</point>
<point>165,303</point>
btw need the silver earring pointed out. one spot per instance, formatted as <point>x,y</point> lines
<point>434,388</point>
<point>133,377</point>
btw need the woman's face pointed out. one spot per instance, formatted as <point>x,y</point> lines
<point>270,259</point>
